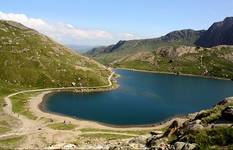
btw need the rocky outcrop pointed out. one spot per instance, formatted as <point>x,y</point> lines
<point>227,113</point>
<point>180,134</point>
<point>173,52</point>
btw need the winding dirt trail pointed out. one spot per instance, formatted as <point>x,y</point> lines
<point>29,126</point>
<point>39,135</point>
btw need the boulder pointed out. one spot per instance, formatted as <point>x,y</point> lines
<point>154,141</point>
<point>179,145</point>
<point>194,125</point>
<point>138,140</point>
<point>156,132</point>
<point>202,114</point>
<point>172,128</point>
<point>185,146</point>
<point>227,113</point>
<point>189,146</point>
<point>225,101</point>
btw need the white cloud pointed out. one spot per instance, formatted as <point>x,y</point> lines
<point>67,33</point>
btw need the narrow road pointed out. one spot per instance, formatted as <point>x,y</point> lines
<point>28,125</point>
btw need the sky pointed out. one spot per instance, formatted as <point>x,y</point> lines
<point>104,22</point>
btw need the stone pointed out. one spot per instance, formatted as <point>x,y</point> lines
<point>156,132</point>
<point>225,101</point>
<point>189,146</point>
<point>138,140</point>
<point>179,145</point>
<point>172,128</point>
<point>194,125</point>
<point>202,114</point>
<point>73,83</point>
<point>227,113</point>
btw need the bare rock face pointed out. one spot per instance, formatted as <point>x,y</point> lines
<point>202,114</point>
<point>172,128</point>
<point>227,113</point>
<point>175,52</point>
<point>220,33</point>
<point>185,146</point>
<point>179,145</point>
<point>225,101</point>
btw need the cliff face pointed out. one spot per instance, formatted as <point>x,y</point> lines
<point>220,33</point>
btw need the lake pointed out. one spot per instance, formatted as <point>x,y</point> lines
<point>142,98</point>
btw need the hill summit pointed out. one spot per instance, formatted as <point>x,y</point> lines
<point>30,59</point>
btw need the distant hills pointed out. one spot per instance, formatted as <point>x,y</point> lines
<point>184,51</point>
<point>122,48</point>
<point>80,48</point>
<point>30,59</point>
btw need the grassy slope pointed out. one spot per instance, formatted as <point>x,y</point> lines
<point>111,53</point>
<point>30,59</point>
<point>212,60</point>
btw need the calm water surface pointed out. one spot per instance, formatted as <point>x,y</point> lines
<point>143,98</point>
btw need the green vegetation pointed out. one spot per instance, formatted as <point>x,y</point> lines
<point>109,54</point>
<point>215,62</point>
<point>138,132</point>
<point>29,59</point>
<point>211,138</point>
<point>20,104</point>
<point>62,126</point>
<point>213,114</point>
<point>10,143</point>
<point>4,129</point>
<point>107,136</point>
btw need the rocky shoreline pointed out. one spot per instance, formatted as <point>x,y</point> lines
<point>213,125</point>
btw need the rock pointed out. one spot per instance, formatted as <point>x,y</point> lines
<point>194,125</point>
<point>69,147</point>
<point>156,132</point>
<point>172,128</point>
<point>179,145</point>
<point>227,113</point>
<point>225,101</point>
<point>202,114</point>
<point>185,146</point>
<point>189,146</point>
<point>73,83</point>
<point>154,141</point>
<point>138,140</point>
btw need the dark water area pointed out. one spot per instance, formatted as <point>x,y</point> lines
<point>142,98</point>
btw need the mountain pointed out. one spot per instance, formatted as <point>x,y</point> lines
<point>80,48</point>
<point>30,59</point>
<point>220,33</point>
<point>176,52</point>
<point>122,48</point>
<point>215,61</point>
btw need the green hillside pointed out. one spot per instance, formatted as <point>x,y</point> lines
<point>215,62</point>
<point>30,59</point>
<point>111,53</point>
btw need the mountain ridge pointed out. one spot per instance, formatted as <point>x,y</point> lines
<point>188,37</point>
<point>31,59</point>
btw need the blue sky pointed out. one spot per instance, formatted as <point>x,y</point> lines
<point>125,19</point>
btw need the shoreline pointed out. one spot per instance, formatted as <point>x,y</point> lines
<point>45,97</point>
<point>35,104</point>
<point>172,73</point>
<point>95,124</point>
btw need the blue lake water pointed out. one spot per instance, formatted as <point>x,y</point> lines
<point>142,98</point>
